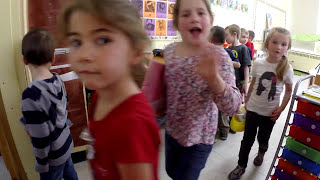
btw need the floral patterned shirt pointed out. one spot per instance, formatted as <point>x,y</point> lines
<point>192,108</point>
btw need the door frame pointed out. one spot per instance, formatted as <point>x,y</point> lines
<point>8,148</point>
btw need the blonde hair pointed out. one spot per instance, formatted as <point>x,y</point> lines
<point>120,14</point>
<point>283,65</point>
<point>233,28</point>
<point>176,12</point>
<point>243,30</point>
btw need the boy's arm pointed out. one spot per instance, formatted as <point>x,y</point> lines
<point>246,64</point>
<point>246,80</point>
<point>236,64</point>
<point>250,90</point>
<point>35,122</point>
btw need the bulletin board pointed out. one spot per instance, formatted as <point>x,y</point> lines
<point>157,18</point>
<point>236,5</point>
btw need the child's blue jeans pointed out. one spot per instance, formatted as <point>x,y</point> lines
<point>65,171</point>
<point>185,163</point>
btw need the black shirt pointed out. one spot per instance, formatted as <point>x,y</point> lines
<point>241,52</point>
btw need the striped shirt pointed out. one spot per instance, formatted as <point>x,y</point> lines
<point>44,109</point>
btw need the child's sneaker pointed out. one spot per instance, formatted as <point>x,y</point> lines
<point>236,173</point>
<point>232,131</point>
<point>223,136</point>
<point>259,159</point>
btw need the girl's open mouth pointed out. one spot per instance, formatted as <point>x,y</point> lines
<point>195,32</point>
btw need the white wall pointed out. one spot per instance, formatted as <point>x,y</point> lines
<point>303,18</point>
<point>222,17</point>
<point>226,16</point>
<point>254,20</point>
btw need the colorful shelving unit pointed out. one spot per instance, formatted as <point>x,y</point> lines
<point>299,157</point>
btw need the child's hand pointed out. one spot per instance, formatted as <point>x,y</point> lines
<point>246,99</point>
<point>276,113</point>
<point>208,65</point>
<point>244,89</point>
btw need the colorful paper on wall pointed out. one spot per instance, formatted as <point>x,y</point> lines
<point>215,2</point>
<point>223,3</point>
<point>230,4</point>
<point>170,10</point>
<point>237,5</point>
<point>171,31</point>
<point>157,18</point>
<point>139,5</point>
<point>161,9</point>
<point>149,26</point>
<point>149,9</point>
<point>161,27</point>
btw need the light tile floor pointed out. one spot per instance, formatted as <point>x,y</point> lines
<point>222,159</point>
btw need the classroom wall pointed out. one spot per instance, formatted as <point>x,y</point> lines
<point>303,62</point>
<point>254,20</point>
<point>12,71</point>
<point>13,78</point>
<point>304,18</point>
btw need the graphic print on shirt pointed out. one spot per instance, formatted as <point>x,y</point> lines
<point>235,53</point>
<point>267,82</point>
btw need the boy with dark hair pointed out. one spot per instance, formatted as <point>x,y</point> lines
<point>218,37</point>
<point>44,110</point>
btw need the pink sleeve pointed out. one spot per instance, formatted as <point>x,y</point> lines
<point>229,100</point>
<point>154,86</point>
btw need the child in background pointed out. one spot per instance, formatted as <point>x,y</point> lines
<point>104,47</point>
<point>244,39</point>
<point>249,44</point>
<point>262,103</point>
<point>200,81</point>
<point>218,37</point>
<point>44,110</point>
<point>241,51</point>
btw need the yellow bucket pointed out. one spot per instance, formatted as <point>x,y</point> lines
<point>238,122</point>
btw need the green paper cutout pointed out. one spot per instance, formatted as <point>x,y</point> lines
<point>306,37</point>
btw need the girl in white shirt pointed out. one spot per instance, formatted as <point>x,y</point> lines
<point>269,76</point>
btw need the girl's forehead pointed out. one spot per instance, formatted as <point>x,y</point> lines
<point>280,35</point>
<point>192,4</point>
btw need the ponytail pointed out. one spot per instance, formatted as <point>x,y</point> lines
<point>282,68</point>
